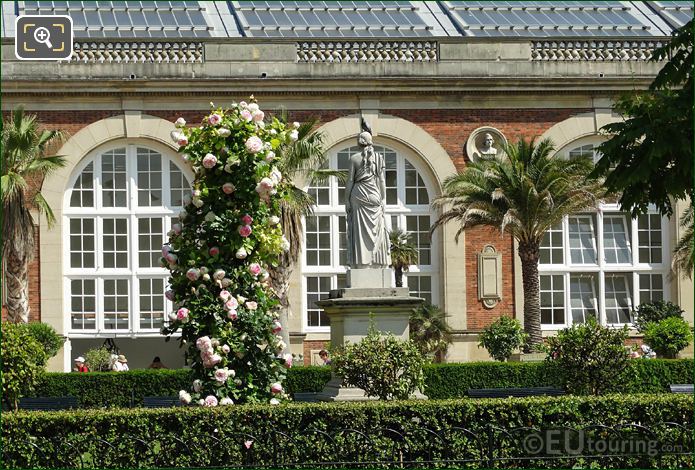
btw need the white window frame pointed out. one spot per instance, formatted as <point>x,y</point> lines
<point>132,212</point>
<point>594,237</point>
<point>336,208</point>
<point>630,295</point>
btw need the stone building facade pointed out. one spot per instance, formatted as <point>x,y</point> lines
<point>425,97</point>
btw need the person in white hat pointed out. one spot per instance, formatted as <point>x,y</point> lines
<point>80,365</point>
<point>121,364</point>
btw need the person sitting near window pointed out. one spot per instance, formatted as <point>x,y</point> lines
<point>121,364</point>
<point>323,354</point>
<point>157,364</point>
<point>80,365</point>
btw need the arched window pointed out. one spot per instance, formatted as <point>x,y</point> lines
<point>325,247</point>
<point>123,201</point>
<point>601,263</point>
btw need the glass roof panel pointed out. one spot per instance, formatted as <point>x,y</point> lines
<point>362,18</point>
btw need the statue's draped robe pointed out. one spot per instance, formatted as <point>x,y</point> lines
<point>368,242</point>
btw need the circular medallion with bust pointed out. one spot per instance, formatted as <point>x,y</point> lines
<point>488,147</point>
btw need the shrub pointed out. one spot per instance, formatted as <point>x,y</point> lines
<point>219,254</point>
<point>22,358</point>
<point>98,359</point>
<point>668,337</point>
<point>315,432</point>
<point>591,359</point>
<point>502,338</point>
<point>382,366</point>
<point>430,331</point>
<point>46,335</point>
<point>656,311</point>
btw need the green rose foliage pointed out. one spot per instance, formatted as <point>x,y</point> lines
<point>590,359</point>
<point>650,312</point>
<point>218,255</point>
<point>668,337</point>
<point>502,337</point>
<point>22,360</point>
<point>382,366</point>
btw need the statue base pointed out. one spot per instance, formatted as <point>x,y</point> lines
<point>353,311</point>
<point>370,278</point>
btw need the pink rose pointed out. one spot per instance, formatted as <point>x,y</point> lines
<point>182,314</point>
<point>276,388</point>
<point>215,119</point>
<point>176,228</point>
<point>243,104</point>
<point>269,157</point>
<point>245,230</point>
<point>214,251</point>
<point>277,327</point>
<point>215,359</point>
<point>171,257</point>
<point>288,360</point>
<point>253,107</point>
<point>225,295</point>
<point>203,342</point>
<point>246,115</point>
<point>231,303</point>
<point>228,188</point>
<point>247,219</point>
<point>210,400</point>
<point>165,249</point>
<point>251,305</point>
<point>221,375</point>
<point>218,275</point>
<point>184,397</point>
<point>209,161</point>
<point>258,115</point>
<point>193,274</point>
<point>254,144</point>
<point>226,349</point>
<point>183,140</point>
<point>255,269</point>
<point>169,294</point>
<point>267,184</point>
<point>232,315</point>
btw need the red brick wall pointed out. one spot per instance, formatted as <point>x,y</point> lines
<point>34,283</point>
<point>450,127</point>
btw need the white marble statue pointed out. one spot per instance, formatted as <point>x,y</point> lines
<point>365,196</point>
<point>488,145</point>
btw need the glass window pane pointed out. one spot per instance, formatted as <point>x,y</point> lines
<point>552,296</point>
<point>83,302</point>
<point>583,297</point>
<point>649,238</point>
<point>152,303</point>
<point>616,244</point>
<point>116,304</point>
<point>618,299</point>
<point>115,243</point>
<point>582,240</point>
<point>113,178</point>
<point>318,287</point>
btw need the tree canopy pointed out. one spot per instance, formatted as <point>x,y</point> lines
<point>649,158</point>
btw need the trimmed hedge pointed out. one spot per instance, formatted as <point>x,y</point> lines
<point>253,434</point>
<point>100,389</point>
<point>453,380</point>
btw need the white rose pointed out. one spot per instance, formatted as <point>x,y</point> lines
<point>294,135</point>
<point>180,122</point>
<point>210,216</point>
<point>274,220</point>
<point>198,202</point>
<point>295,124</point>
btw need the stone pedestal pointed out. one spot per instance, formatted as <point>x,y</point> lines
<point>351,312</point>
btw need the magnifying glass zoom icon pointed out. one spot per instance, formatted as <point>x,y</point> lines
<point>43,36</point>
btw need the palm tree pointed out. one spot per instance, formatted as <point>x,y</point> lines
<point>23,147</point>
<point>302,161</point>
<point>430,331</point>
<point>522,192</point>
<point>403,253</point>
<point>684,254</point>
